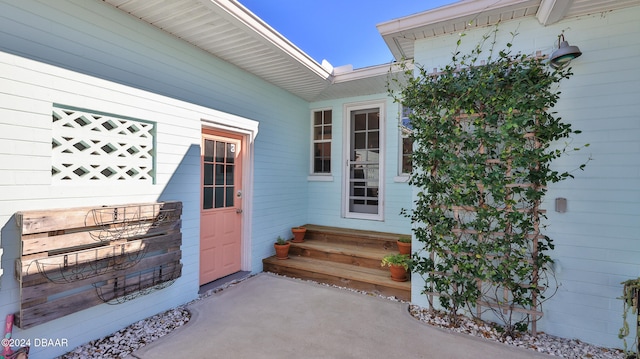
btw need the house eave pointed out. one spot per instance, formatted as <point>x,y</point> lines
<point>229,31</point>
<point>400,34</point>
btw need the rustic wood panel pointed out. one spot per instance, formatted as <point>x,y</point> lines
<point>73,259</point>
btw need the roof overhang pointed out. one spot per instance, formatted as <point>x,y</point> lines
<point>229,31</point>
<point>400,34</point>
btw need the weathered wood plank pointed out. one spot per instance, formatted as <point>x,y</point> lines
<point>29,317</point>
<point>44,243</point>
<point>48,288</point>
<point>30,222</point>
<point>99,259</point>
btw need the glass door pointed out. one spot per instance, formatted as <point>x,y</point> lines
<point>364,163</point>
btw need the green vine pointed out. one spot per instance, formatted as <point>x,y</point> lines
<point>630,294</point>
<point>484,140</point>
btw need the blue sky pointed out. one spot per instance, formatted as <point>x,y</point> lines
<point>340,31</point>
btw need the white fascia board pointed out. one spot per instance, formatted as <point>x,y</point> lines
<point>372,71</point>
<point>462,11</point>
<point>454,12</point>
<point>251,21</point>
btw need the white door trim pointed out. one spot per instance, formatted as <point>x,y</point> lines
<point>346,145</point>
<point>248,129</point>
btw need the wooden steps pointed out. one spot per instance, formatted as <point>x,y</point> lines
<point>344,257</point>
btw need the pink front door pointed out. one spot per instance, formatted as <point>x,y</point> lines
<point>221,205</point>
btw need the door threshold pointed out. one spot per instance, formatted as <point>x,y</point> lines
<point>221,282</point>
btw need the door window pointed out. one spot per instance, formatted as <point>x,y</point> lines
<point>364,162</point>
<point>218,171</point>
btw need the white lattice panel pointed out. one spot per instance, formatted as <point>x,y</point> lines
<point>95,147</point>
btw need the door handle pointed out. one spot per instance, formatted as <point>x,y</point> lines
<point>239,210</point>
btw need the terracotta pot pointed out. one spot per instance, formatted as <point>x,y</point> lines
<point>404,248</point>
<point>282,250</point>
<point>398,273</point>
<point>298,234</point>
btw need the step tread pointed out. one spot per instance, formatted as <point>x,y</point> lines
<point>346,249</point>
<point>346,271</point>
<point>384,236</point>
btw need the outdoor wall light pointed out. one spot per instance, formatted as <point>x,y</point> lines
<point>564,54</point>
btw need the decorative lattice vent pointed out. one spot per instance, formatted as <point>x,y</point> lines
<point>98,147</point>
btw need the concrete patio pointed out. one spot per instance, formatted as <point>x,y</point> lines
<point>267,316</point>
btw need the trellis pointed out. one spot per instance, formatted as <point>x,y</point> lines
<point>482,135</point>
<point>461,214</point>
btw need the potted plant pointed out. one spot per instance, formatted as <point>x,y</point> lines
<point>398,266</point>
<point>404,245</point>
<point>298,234</point>
<point>282,248</point>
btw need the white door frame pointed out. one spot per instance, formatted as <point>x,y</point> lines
<point>346,160</point>
<point>248,129</point>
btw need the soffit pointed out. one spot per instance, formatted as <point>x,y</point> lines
<point>231,32</point>
<point>400,34</point>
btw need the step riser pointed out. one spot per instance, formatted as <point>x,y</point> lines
<point>339,281</point>
<point>336,257</point>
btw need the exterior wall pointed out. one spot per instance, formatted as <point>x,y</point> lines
<point>90,55</point>
<point>325,196</point>
<point>597,246</point>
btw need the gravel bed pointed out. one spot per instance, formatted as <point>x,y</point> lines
<point>542,343</point>
<point>125,341</point>
<point>135,336</point>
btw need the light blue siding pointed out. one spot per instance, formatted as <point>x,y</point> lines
<point>94,39</point>
<point>597,243</point>
<point>325,198</point>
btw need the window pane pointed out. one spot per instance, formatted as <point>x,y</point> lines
<point>317,118</point>
<point>317,133</point>
<point>374,121</point>
<point>220,151</point>
<point>229,179</point>
<point>326,165</point>
<point>374,140</point>
<point>327,117</point>
<point>231,152</point>
<point>229,199</point>
<point>207,200</point>
<point>406,164</point>
<point>208,151</point>
<point>326,149</point>
<point>219,174</point>
<point>219,197</point>
<point>360,141</point>
<point>208,174</point>
<point>327,132</point>
<point>360,122</point>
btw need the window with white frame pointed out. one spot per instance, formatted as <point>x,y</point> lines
<point>406,142</point>
<point>321,142</point>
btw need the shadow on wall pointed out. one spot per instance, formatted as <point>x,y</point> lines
<point>10,244</point>
<point>184,186</point>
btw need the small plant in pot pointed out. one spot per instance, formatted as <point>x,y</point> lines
<point>404,245</point>
<point>282,248</point>
<point>398,266</point>
<point>298,234</point>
